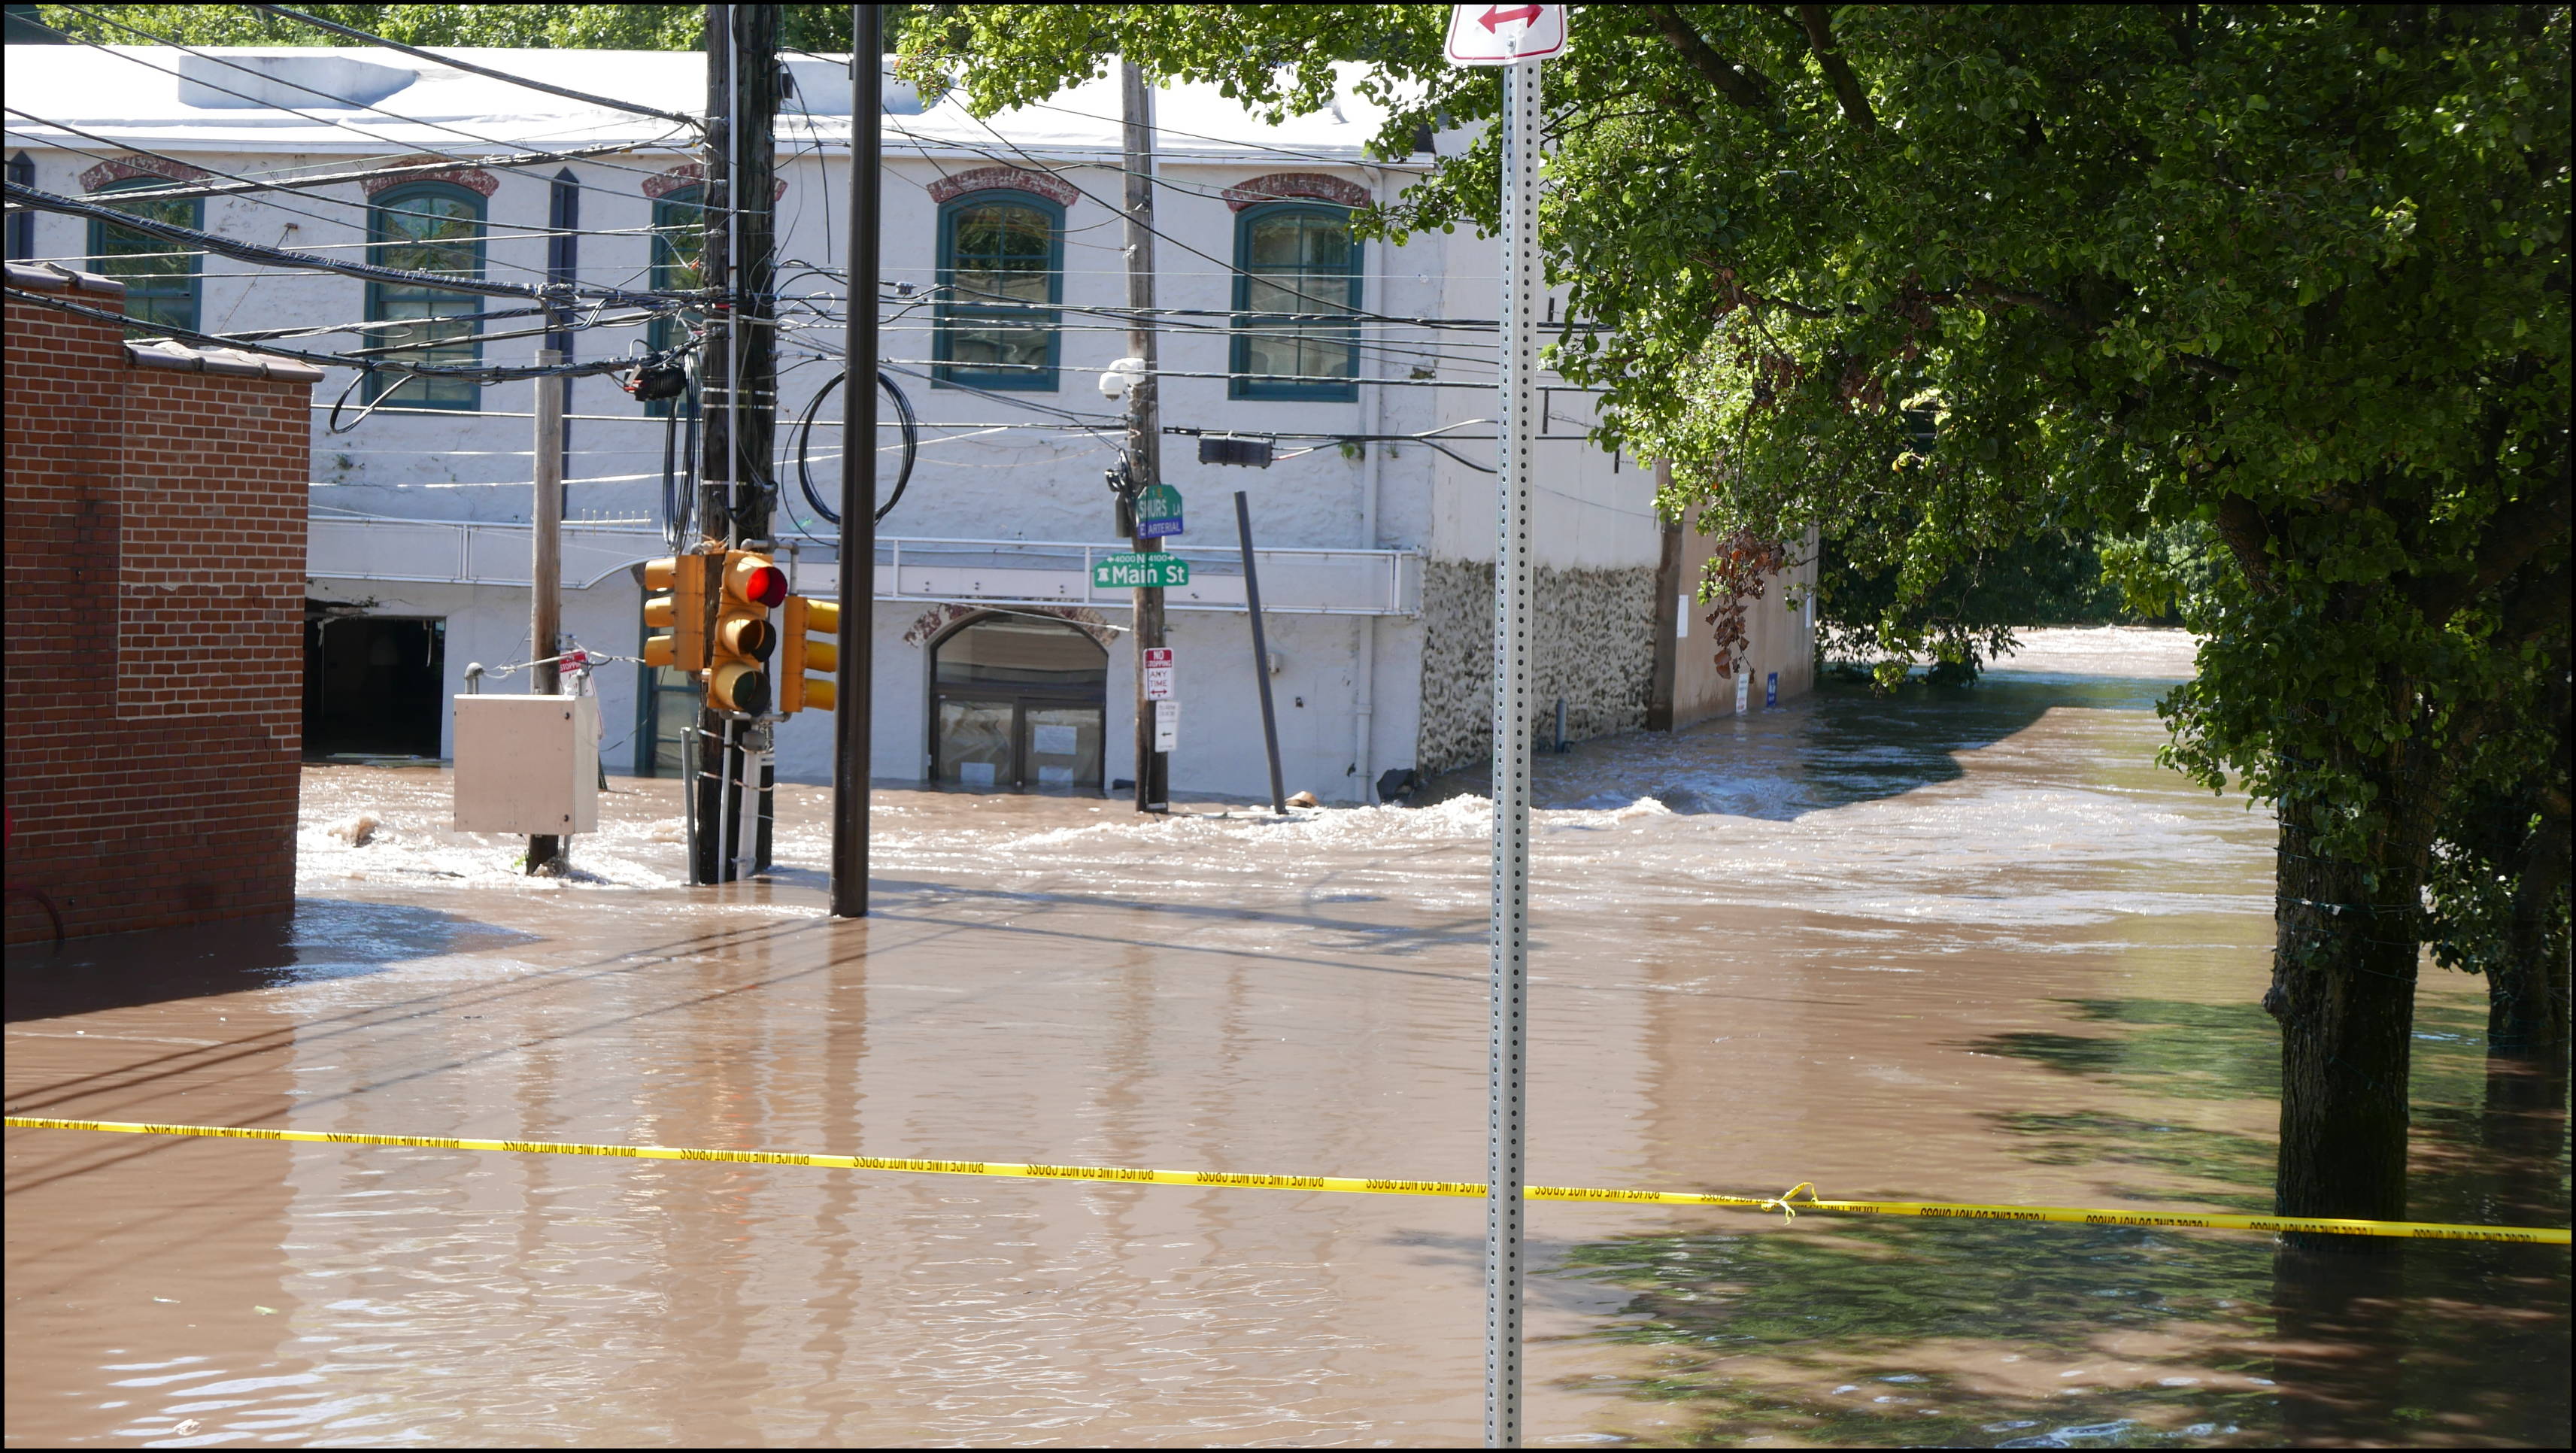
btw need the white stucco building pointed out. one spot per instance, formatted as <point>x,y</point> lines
<point>997,663</point>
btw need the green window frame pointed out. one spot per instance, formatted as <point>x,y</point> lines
<point>1291,258</point>
<point>991,251</point>
<point>427,227</point>
<point>162,285</point>
<point>679,243</point>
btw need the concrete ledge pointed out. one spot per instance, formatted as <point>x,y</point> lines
<point>53,277</point>
<point>181,357</point>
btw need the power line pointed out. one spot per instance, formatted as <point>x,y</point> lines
<point>1307,156</point>
<point>235,184</point>
<point>139,194</point>
<point>349,126</point>
<point>488,373</point>
<point>455,64</point>
<point>562,294</point>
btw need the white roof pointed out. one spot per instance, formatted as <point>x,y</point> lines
<point>373,101</point>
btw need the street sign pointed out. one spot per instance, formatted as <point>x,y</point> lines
<point>1167,725</point>
<point>1498,35</point>
<point>1158,512</point>
<point>1158,673</point>
<point>1130,569</point>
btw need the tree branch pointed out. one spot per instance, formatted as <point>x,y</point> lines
<point>2210,366</point>
<point>1829,54</point>
<point>2539,608</point>
<point>1986,288</point>
<point>2247,535</point>
<point>1742,85</point>
<point>2511,538</point>
<point>2519,531</point>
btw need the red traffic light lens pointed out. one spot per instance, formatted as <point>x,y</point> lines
<point>765,585</point>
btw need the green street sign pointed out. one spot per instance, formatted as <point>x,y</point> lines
<point>1135,568</point>
<point>1158,512</point>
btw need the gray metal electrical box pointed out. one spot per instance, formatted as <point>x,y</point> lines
<point>527,764</point>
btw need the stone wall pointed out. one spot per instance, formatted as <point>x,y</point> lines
<point>1594,646</point>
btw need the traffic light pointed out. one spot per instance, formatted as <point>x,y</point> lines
<point>680,611</point>
<point>799,653</point>
<point>738,665</point>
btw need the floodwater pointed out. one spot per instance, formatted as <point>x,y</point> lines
<point>1968,945</point>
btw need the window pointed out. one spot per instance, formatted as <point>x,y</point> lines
<point>426,227</point>
<point>1001,271</point>
<point>679,241</point>
<point>22,225</point>
<point>160,277</point>
<point>1295,258</point>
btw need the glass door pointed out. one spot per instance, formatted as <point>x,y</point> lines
<point>1017,702</point>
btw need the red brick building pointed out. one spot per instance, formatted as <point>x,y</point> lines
<point>155,545</point>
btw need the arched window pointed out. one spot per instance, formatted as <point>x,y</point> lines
<point>160,277</point>
<point>1001,273</point>
<point>1294,260</point>
<point>679,243</point>
<point>434,227</point>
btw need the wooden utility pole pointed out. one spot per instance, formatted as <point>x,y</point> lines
<point>738,403</point>
<point>545,568</point>
<point>1144,417</point>
<point>853,708</point>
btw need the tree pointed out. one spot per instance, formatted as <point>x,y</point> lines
<point>2296,277</point>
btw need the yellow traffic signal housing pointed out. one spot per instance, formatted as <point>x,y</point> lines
<point>744,640</point>
<point>799,653</point>
<point>679,611</point>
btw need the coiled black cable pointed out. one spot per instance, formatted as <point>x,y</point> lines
<point>805,438</point>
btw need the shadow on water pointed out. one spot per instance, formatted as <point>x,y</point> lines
<point>2158,1046</point>
<point>323,939</point>
<point>1975,1334</point>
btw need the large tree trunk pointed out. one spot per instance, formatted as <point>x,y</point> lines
<point>2343,992</point>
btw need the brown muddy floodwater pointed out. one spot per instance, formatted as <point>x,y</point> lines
<point>1969,945</point>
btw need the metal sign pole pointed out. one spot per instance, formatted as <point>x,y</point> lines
<point>1506,1115</point>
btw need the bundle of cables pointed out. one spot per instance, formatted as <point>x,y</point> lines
<point>805,437</point>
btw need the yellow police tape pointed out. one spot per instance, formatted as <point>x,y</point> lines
<point>1790,1203</point>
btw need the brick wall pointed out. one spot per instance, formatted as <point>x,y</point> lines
<point>155,556</point>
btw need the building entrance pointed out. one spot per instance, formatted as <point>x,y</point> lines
<point>374,685</point>
<point>1017,702</point>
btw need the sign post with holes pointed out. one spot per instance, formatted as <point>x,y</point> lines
<point>1517,38</point>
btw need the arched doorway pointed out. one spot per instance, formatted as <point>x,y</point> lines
<point>1016,701</point>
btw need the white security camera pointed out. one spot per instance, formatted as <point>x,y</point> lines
<point>1121,375</point>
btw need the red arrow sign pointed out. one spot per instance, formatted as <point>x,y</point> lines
<point>1496,17</point>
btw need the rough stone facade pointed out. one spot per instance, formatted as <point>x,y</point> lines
<point>1594,646</point>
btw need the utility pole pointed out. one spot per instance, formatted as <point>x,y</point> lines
<point>739,406</point>
<point>853,707</point>
<point>545,568</point>
<point>1144,418</point>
